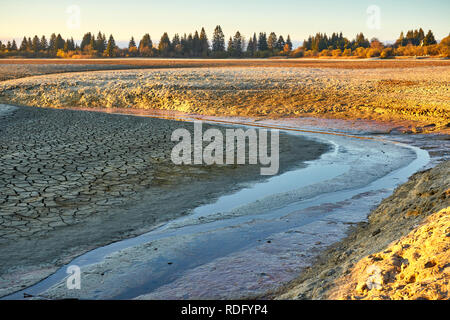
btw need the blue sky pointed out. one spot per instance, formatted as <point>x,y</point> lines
<point>295,17</point>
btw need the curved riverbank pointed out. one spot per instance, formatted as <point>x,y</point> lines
<point>401,252</point>
<point>249,245</point>
<point>72,181</point>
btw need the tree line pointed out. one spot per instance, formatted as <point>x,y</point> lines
<point>197,44</point>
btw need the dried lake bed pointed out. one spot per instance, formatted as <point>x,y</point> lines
<point>235,241</point>
<point>250,241</point>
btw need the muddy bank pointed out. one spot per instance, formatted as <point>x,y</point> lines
<point>71,181</point>
<point>245,249</point>
<point>341,271</point>
<point>416,98</point>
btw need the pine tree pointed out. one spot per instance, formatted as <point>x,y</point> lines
<point>272,41</point>
<point>204,44</point>
<point>237,44</point>
<point>23,45</point>
<point>110,47</point>
<point>196,44</point>
<point>421,36</point>
<point>93,43</point>
<point>218,41</point>
<point>85,41</point>
<point>36,44</point>
<point>280,43</point>
<point>14,45</point>
<point>262,42</point>
<point>249,50</point>
<point>132,43</point>
<point>429,39</point>
<point>255,43</point>
<point>52,44</point>
<point>230,49</point>
<point>100,43</point>
<point>289,42</point>
<point>189,45</point>
<point>29,44</point>
<point>361,41</point>
<point>59,42</point>
<point>44,43</point>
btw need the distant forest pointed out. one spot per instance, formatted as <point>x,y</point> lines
<point>197,45</point>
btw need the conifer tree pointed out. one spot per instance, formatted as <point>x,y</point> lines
<point>421,36</point>
<point>59,42</point>
<point>255,43</point>
<point>52,43</point>
<point>262,42</point>
<point>93,43</point>
<point>44,43</point>
<point>196,48</point>
<point>272,41</point>
<point>204,44</point>
<point>100,43</point>
<point>36,44</point>
<point>361,41</point>
<point>429,39</point>
<point>85,41</point>
<point>237,44</point>
<point>110,47</point>
<point>132,43</point>
<point>230,49</point>
<point>14,45</point>
<point>218,41</point>
<point>280,43</point>
<point>23,45</point>
<point>249,50</point>
<point>289,42</point>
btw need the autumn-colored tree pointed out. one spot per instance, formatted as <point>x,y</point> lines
<point>164,45</point>
<point>86,40</point>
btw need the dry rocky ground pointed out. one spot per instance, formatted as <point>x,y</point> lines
<point>414,94</point>
<point>67,178</point>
